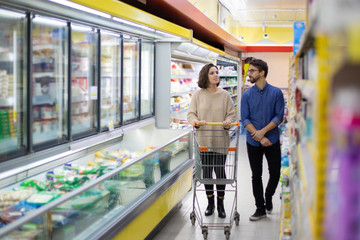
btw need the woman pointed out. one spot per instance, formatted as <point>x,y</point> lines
<point>212,104</point>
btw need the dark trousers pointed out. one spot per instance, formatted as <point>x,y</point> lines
<point>213,161</point>
<point>273,156</point>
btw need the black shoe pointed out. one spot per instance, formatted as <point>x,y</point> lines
<point>259,214</point>
<point>220,208</point>
<point>268,206</point>
<point>209,210</point>
<point>211,206</point>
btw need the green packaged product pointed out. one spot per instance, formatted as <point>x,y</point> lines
<point>40,186</point>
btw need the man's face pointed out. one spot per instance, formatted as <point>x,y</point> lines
<point>253,73</point>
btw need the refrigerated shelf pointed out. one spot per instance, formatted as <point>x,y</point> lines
<point>106,205</point>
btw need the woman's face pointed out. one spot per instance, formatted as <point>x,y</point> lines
<point>213,76</point>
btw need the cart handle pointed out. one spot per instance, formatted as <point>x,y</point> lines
<point>195,123</point>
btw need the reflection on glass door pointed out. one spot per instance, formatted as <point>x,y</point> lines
<point>12,83</point>
<point>147,78</point>
<point>49,79</point>
<point>83,83</point>
<point>110,79</point>
<point>131,79</point>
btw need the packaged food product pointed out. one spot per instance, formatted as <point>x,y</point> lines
<point>42,198</point>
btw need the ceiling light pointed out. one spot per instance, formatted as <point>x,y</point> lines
<point>81,7</point>
<point>133,24</point>
<point>81,28</point>
<point>11,14</point>
<point>269,10</point>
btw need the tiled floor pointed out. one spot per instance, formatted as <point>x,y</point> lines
<point>179,227</point>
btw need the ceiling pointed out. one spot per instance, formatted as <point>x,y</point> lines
<point>268,13</point>
<point>253,20</point>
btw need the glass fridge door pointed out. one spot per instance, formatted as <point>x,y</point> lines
<point>84,82</point>
<point>147,78</point>
<point>13,72</point>
<point>110,80</point>
<point>49,79</point>
<point>131,79</point>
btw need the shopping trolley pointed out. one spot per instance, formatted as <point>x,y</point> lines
<point>209,141</point>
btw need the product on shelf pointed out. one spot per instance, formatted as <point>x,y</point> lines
<point>10,198</point>
<point>343,206</point>
<point>7,126</point>
<point>42,198</point>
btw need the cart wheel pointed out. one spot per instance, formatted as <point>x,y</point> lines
<point>227,235</point>
<point>205,233</point>
<point>192,218</point>
<point>237,218</point>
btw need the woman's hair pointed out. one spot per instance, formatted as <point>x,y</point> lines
<point>260,65</point>
<point>203,75</point>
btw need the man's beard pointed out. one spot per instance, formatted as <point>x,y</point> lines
<point>253,80</point>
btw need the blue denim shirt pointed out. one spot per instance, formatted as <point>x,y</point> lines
<point>260,107</point>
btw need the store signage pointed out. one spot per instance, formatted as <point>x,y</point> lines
<point>299,28</point>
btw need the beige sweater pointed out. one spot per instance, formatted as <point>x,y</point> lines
<point>212,107</point>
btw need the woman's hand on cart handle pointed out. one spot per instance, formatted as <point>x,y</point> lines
<point>200,123</point>
<point>226,125</point>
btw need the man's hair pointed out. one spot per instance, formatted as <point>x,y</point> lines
<point>260,65</point>
<point>203,76</point>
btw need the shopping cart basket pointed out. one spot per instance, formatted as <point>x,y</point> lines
<point>210,142</point>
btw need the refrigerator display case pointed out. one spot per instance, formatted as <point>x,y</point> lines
<point>147,78</point>
<point>184,78</point>
<point>178,80</point>
<point>131,79</point>
<point>110,79</point>
<point>84,82</point>
<point>229,74</point>
<point>97,191</point>
<point>58,57</point>
<point>12,83</point>
<point>49,81</point>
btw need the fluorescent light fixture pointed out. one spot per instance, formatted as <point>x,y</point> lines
<point>126,36</point>
<point>81,28</point>
<point>270,10</point>
<point>48,21</point>
<point>81,7</point>
<point>133,24</point>
<point>179,52</point>
<point>167,34</point>
<point>6,13</point>
<point>110,33</point>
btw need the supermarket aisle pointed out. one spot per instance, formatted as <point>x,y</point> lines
<point>179,227</point>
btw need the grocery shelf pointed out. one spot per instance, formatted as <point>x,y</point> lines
<point>173,114</point>
<point>303,174</point>
<point>307,88</point>
<point>182,76</point>
<point>173,94</point>
<point>229,86</point>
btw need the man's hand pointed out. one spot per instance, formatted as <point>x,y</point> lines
<point>258,135</point>
<point>265,142</point>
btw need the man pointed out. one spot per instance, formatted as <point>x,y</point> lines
<point>262,110</point>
